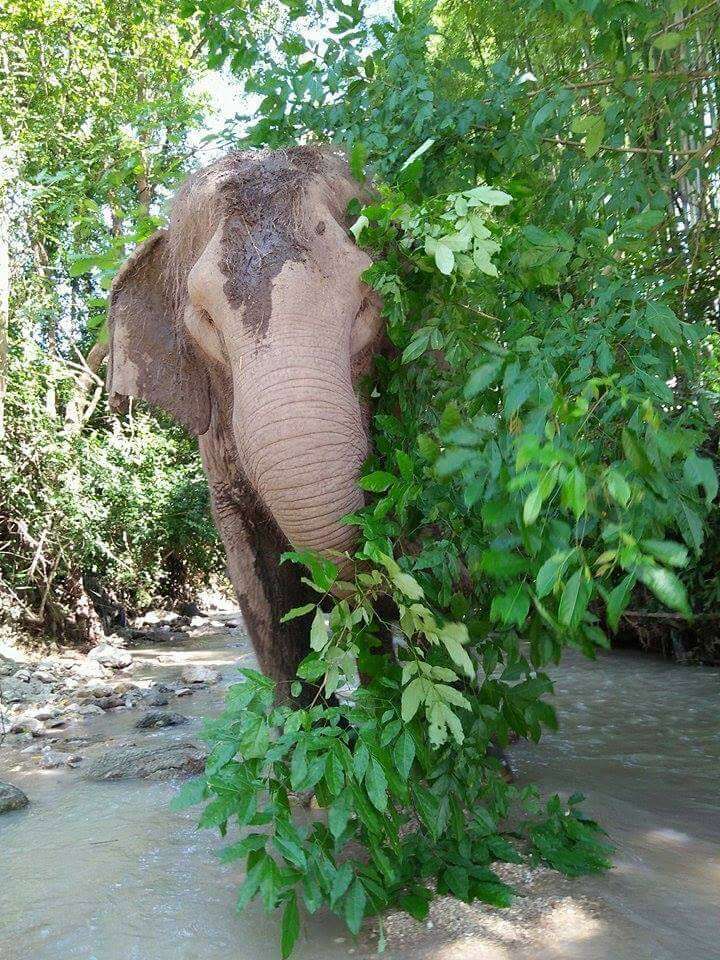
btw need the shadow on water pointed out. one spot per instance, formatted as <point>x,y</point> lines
<point>104,871</point>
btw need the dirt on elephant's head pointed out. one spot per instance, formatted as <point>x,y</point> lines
<point>257,197</point>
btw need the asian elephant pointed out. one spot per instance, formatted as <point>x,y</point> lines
<point>247,320</point>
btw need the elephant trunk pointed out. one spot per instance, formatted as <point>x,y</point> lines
<point>300,436</point>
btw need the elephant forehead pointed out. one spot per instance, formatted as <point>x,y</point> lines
<point>251,256</point>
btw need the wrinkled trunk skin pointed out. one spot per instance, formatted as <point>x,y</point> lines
<point>254,544</point>
<point>282,466</point>
<point>301,442</point>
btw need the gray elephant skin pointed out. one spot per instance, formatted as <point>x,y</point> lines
<point>247,320</point>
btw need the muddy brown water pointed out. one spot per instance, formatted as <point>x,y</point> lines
<point>104,871</point>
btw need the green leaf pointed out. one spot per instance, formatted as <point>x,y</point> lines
<point>444,259</point>
<point>668,552</point>
<point>574,491</point>
<point>339,813</point>
<point>403,754</point>
<point>481,378</point>
<point>324,572</point>
<point>574,600</point>
<point>417,346</point>
<point>618,487</point>
<point>361,758</point>
<point>192,792</point>
<point>319,634</point>
<point>290,929</point>
<point>511,608</point>
<point>668,41</point>
<point>454,636</point>
<point>376,785</point>
<point>644,221</point>
<point>533,504</point>
<point>297,612</point>
<point>455,458</point>
<point>288,843</point>
<point>488,196</point>
<point>700,471</point>
<point>664,322</point>
<point>410,700</point>
<point>358,151</point>
<point>666,587</point>
<point>428,808</point>
<point>334,773</point>
<point>377,482</point>
<point>354,907</point>
<point>618,600</point>
<point>549,572</point>
<point>690,525</point>
<point>407,585</point>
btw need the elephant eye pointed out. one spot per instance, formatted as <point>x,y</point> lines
<point>201,327</point>
<point>366,325</point>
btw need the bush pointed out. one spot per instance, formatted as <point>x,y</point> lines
<point>123,505</point>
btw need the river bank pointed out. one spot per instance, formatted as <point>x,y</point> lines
<point>102,870</point>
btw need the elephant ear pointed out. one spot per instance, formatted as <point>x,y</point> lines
<point>149,356</point>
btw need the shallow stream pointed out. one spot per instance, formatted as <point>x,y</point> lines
<point>104,871</point>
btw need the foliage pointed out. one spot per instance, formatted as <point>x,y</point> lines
<point>93,134</point>
<point>545,207</point>
<point>122,507</point>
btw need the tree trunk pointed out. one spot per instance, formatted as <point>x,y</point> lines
<point>81,404</point>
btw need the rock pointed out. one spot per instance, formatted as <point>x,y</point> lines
<point>11,798</point>
<point>108,656</point>
<point>109,703</point>
<point>197,673</point>
<point>27,725</point>
<point>114,640</point>
<point>44,676</point>
<point>46,713</point>
<point>182,758</point>
<point>158,696</point>
<point>90,669</point>
<point>198,621</point>
<point>53,759</point>
<point>89,710</point>
<point>56,723</point>
<point>160,718</point>
<point>183,692</point>
<point>232,624</point>
<point>189,609</point>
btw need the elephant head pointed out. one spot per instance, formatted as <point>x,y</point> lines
<point>251,302</point>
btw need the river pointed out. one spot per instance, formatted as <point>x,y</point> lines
<point>104,871</point>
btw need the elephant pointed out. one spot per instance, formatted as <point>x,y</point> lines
<point>248,321</point>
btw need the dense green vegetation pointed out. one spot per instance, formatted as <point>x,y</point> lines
<point>544,233</point>
<point>96,106</point>
<point>544,238</point>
